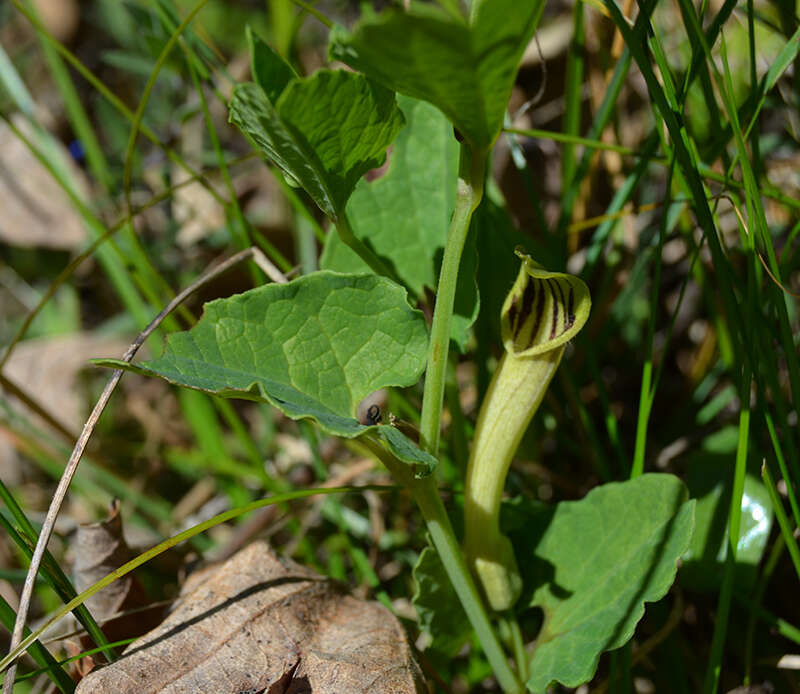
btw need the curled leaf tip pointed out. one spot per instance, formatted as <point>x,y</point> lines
<point>543,310</point>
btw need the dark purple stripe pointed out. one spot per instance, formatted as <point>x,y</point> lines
<point>570,309</point>
<point>513,313</point>
<point>528,297</point>
<point>561,302</point>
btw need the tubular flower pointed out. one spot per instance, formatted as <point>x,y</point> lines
<point>541,313</point>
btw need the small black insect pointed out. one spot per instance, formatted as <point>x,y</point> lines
<point>374,415</point>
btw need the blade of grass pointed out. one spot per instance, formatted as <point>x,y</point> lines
<point>781,626</point>
<point>787,532</point>
<point>755,600</point>
<point>39,653</point>
<point>599,123</point>
<point>116,102</point>
<point>131,250</point>
<point>139,256</point>
<point>711,680</point>
<point>572,140</point>
<point>76,114</point>
<point>647,392</point>
<point>758,223</point>
<point>77,453</point>
<point>149,277</point>
<point>73,265</point>
<point>72,659</point>
<point>111,260</point>
<point>751,41</point>
<point>32,404</point>
<point>573,90</point>
<point>25,539</point>
<point>237,221</point>
<point>99,483</point>
<point>136,121</point>
<point>685,157</point>
<point>153,552</point>
<point>781,63</point>
<point>782,466</point>
<point>621,197</point>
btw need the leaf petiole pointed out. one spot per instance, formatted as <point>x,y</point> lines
<point>363,251</point>
<point>471,172</point>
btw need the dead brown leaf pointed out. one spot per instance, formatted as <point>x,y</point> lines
<point>99,549</point>
<point>121,608</point>
<point>258,624</point>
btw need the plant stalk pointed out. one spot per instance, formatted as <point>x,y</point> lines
<point>426,495</point>
<point>513,397</point>
<point>471,171</point>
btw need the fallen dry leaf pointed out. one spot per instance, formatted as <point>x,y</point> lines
<point>100,549</point>
<point>257,624</point>
<point>121,608</point>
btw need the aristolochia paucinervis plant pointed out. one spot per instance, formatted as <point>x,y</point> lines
<point>433,81</point>
<point>542,312</point>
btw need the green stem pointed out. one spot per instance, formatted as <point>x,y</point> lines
<point>471,170</point>
<point>520,654</point>
<point>711,681</point>
<point>787,531</point>
<point>427,497</point>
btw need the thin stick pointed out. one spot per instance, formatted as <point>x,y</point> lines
<point>266,265</point>
<point>83,439</point>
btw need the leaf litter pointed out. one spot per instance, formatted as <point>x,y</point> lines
<point>259,623</point>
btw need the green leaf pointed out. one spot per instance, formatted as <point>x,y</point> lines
<point>438,609</point>
<point>710,478</point>
<point>314,348</point>
<point>404,215</point>
<point>271,72</point>
<point>464,67</point>
<point>406,450</point>
<point>325,132</point>
<point>594,564</point>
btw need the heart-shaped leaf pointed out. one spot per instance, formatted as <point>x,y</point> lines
<point>406,212</point>
<point>314,348</point>
<point>465,67</point>
<point>594,565</point>
<point>325,132</point>
<point>404,215</point>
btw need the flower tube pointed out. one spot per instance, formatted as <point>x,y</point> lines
<point>542,312</point>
